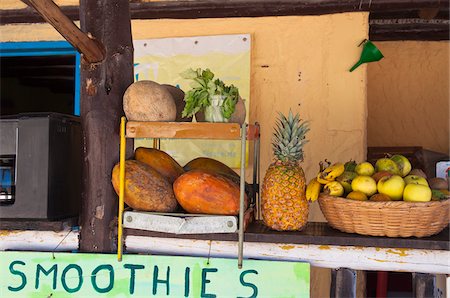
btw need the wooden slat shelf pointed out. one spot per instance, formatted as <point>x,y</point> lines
<point>315,233</point>
<point>189,130</point>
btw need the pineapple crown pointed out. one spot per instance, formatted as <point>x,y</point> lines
<point>289,138</point>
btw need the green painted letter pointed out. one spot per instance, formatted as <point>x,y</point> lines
<point>248,284</point>
<point>17,272</point>
<point>206,281</point>
<point>39,268</point>
<point>111,278</point>
<point>186,281</point>
<point>132,267</point>
<point>80,278</point>
<point>156,280</point>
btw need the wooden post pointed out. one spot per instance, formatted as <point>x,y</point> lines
<point>424,285</point>
<point>92,50</point>
<point>343,283</point>
<point>102,87</point>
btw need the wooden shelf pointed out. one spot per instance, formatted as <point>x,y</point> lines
<point>189,130</point>
<point>317,233</point>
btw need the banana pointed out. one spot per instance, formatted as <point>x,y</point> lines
<point>331,172</point>
<point>313,190</point>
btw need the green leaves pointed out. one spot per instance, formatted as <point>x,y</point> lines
<point>203,88</point>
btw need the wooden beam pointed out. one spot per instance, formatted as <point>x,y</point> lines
<point>424,285</point>
<point>92,50</point>
<point>343,283</point>
<point>409,31</point>
<point>102,88</point>
<point>143,9</point>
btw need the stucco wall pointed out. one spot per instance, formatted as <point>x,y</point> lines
<point>408,95</point>
<point>308,58</point>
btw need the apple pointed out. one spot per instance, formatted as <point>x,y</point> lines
<point>334,188</point>
<point>365,169</point>
<point>413,179</point>
<point>404,166</point>
<point>346,180</point>
<point>417,193</point>
<point>357,195</point>
<point>392,186</point>
<point>378,175</point>
<point>388,165</point>
<point>364,184</point>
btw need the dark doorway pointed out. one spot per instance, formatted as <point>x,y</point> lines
<point>37,84</point>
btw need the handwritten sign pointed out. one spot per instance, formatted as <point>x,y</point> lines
<point>38,274</point>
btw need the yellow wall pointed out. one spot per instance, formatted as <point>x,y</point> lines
<point>308,58</point>
<point>408,95</point>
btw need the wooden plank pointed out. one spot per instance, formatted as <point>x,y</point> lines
<point>316,234</point>
<point>325,256</point>
<point>102,88</point>
<point>187,130</point>
<point>66,240</point>
<point>343,283</point>
<point>237,8</point>
<point>92,50</point>
<point>38,225</point>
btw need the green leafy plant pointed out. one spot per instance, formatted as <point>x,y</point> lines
<point>204,87</point>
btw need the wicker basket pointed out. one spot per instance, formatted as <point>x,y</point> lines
<point>391,219</point>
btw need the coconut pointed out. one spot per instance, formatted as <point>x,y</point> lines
<point>148,101</point>
<point>438,183</point>
<point>178,97</point>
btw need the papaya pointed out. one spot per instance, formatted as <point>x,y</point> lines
<point>204,192</point>
<point>159,160</point>
<point>145,188</point>
<point>215,166</point>
<point>212,165</point>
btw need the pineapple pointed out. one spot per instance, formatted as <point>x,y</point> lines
<point>284,205</point>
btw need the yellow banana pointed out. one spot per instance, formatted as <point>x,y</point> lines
<point>313,190</point>
<point>332,172</point>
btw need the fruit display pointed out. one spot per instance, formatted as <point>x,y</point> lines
<point>390,179</point>
<point>204,192</point>
<point>154,181</point>
<point>145,188</point>
<point>283,198</point>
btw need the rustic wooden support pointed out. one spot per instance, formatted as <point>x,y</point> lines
<point>92,50</point>
<point>343,283</point>
<point>102,88</point>
<point>424,285</point>
<point>144,9</point>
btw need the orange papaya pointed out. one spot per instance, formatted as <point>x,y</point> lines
<point>204,192</point>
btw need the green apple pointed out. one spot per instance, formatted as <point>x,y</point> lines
<point>391,186</point>
<point>388,165</point>
<point>346,179</point>
<point>403,164</point>
<point>417,193</point>
<point>364,184</point>
<point>365,169</point>
<point>413,179</point>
